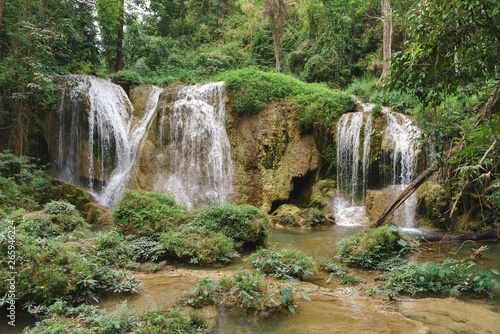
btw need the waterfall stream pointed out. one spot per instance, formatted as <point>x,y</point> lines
<point>197,154</point>
<point>192,156</point>
<point>354,135</point>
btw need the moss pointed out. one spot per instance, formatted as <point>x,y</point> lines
<point>147,214</point>
<point>432,204</point>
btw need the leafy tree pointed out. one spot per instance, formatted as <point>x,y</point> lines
<point>451,65</point>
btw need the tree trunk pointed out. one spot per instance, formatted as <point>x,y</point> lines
<point>2,8</point>
<point>119,43</point>
<point>387,38</point>
<point>403,196</point>
<point>275,10</point>
<point>490,234</point>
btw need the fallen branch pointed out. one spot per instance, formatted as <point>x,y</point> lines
<point>403,196</point>
<point>490,234</point>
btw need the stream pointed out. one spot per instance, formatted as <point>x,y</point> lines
<point>334,308</point>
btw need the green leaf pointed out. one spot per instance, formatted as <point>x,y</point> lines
<point>303,295</point>
<point>291,308</point>
<point>494,271</point>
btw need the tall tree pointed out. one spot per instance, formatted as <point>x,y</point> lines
<point>2,8</point>
<point>111,20</point>
<point>387,40</point>
<point>275,11</point>
<point>119,41</point>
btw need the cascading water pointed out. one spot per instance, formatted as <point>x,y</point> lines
<point>399,138</point>
<point>104,156</point>
<point>348,165</point>
<point>119,177</point>
<point>399,148</point>
<point>197,152</point>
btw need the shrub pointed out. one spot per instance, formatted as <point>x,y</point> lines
<point>111,249</point>
<point>65,215</point>
<point>147,214</point>
<point>147,249</point>
<point>243,223</point>
<point>450,277</point>
<point>377,111</point>
<point>287,263</point>
<point>374,246</point>
<point>317,104</point>
<point>198,245</point>
<point>348,279</point>
<point>40,228</point>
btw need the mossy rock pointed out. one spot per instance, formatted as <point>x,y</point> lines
<point>319,191</point>
<point>63,191</point>
<point>432,204</point>
<point>292,216</point>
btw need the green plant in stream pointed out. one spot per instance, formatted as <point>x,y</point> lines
<point>148,214</point>
<point>202,294</point>
<point>194,244</point>
<point>451,277</point>
<point>287,263</point>
<point>374,247</point>
<point>244,223</point>
<point>147,249</point>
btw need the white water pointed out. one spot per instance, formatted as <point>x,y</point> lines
<point>120,176</point>
<point>109,135</point>
<point>400,135</point>
<point>398,138</point>
<point>198,151</point>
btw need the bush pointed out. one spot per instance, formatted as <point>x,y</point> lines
<point>373,247</point>
<point>317,104</point>
<point>65,215</point>
<point>63,318</point>
<point>111,249</point>
<point>194,244</point>
<point>287,263</point>
<point>243,223</point>
<point>147,214</point>
<point>377,111</point>
<point>147,249</point>
<point>450,277</point>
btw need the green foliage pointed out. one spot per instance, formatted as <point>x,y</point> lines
<point>244,223</point>
<point>21,183</point>
<point>195,244</point>
<point>110,249</point>
<point>348,279</point>
<point>146,249</point>
<point>450,277</point>
<point>127,77</point>
<point>147,214</point>
<point>48,269</point>
<point>377,110</point>
<point>287,263</point>
<point>63,318</point>
<point>373,247</point>
<point>202,294</point>
<point>316,103</point>
<point>65,215</point>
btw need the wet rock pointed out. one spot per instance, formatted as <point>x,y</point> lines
<point>377,200</point>
<point>292,216</point>
<point>432,204</point>
<point>269,152</point>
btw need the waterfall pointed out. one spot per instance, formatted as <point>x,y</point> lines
<point>353,158</point>
<point>196,150</point>
<point>399,140</point>
<point>103,157</point>
<point>118,180</point>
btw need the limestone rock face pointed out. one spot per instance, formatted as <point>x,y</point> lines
<point>432,203</point>
<point>293,216</point>
<point>377,200</point>
<point>269,151</point>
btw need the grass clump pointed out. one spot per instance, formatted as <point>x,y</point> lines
<point>198,245</point>
<point>450,277</point>
<point>287,263</point>
<point>317,105</point>
<point>65,215</point>
<point>148,214</point>
<point>375,247</point>
<point>245,223</point>
<point>63,318</point>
